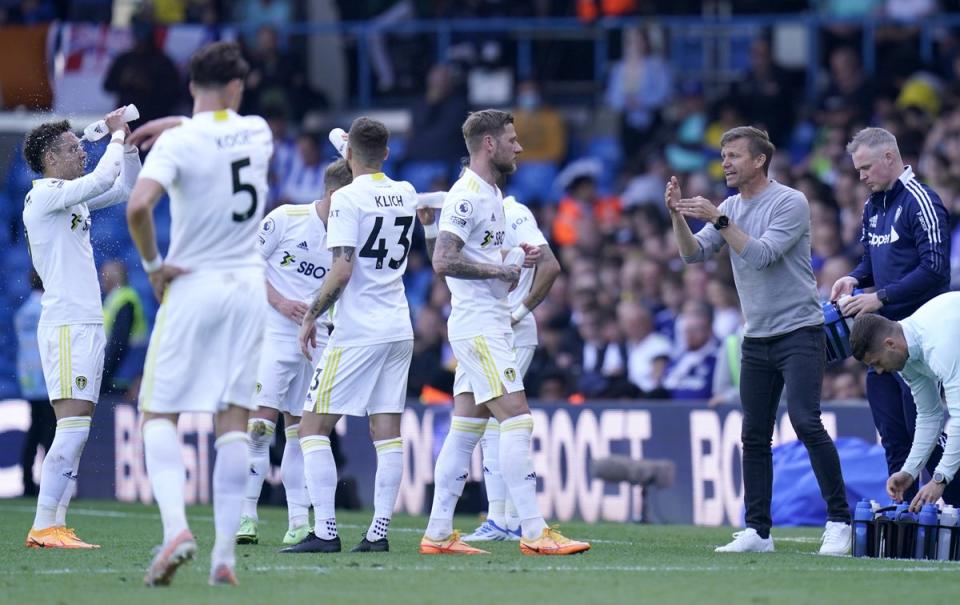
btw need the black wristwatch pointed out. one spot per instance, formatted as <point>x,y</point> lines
<point>882,295</point>
<point>722,222</point>
<point>940,479</point>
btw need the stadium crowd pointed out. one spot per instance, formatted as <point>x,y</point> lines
<point>626,319</point>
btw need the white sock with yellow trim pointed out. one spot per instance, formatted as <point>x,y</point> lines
<point>261,436</point>
<point>387,486</point>
<point>229,482</point>
<point>517,468</point>
<point>57,472</point>
<point>492,479</point>
<point>453,466</point>
<point>321,472</point>
<point>294,479</point>
<point>167,473</point>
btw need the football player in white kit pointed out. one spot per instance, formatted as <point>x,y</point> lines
<point>56,215</point>
<point>535,282</point>
<point>363,370</point>
<point>293,242</point>
<point>468,252</point>
<point>205,347</point>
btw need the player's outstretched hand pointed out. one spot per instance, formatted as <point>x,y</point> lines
<point>115,120</point>
<point>308,338</point>
<point>671,196</point>
<point>426,215</point>
<point>294,310</point>
<point>897,484</point>
<point>145,136</point>
<point>532,254</point>
<point>843,286</point>
<point>160,278</point>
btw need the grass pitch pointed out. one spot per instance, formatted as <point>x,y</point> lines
<point>628,564</point>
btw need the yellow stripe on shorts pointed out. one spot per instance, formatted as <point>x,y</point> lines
<point>66,365</point>
<point>489,365</point>
<point>151,362</point>
<point>325,389</point>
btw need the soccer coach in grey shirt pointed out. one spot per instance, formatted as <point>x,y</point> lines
<point>767,226</point>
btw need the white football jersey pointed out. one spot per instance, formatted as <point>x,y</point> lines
<point>214,166</point>
<point>293,242</point>
<point>56,215</point>
<point>473,211</point>
<point>374,215</point>
<point>522,228</point>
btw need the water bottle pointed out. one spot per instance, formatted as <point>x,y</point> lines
<point>862,529</point>
<point>338,137</point>
<point>948,527</point>
<point>906,530</point>
<point>926,547</point>
<point>98,130</point>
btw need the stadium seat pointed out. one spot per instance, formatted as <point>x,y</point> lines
<point>532,183</point>
<point>610,154</point>
<point>422,174</point>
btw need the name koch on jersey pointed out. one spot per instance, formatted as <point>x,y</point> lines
<point>293,242</point>
<point>473,211</point>
<point>214,166</point>
<point>374,215</point>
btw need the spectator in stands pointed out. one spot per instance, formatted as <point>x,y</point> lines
<point>583,205</point>
<point>690,375</point>
<point>276,79</point>
<point>640,85</point>
<point>722,296</point>
<point>539,126</point>
<point>303,183</point>
<point>145,75</point>
<point>645,354</point>
<point>430,364</point>
<point>601,368</point>
<point>435,129</point>
<point>33,388</point>
<point>284,152</point>
<point>848,97</point>
<point>125,327</point>
<point>257,13</point>
<point>764,93</point>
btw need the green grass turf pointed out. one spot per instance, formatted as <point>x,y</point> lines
<point>628,564</point>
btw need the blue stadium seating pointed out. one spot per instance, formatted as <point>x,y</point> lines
<point>533,183</point>
<point>422,174</point>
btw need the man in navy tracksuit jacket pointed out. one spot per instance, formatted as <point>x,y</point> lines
<point>906,258</point>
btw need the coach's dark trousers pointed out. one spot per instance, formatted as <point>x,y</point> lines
<point>795,360</point>
<point>895,414</point>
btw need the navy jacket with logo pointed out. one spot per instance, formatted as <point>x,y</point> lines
<point>906,246</point>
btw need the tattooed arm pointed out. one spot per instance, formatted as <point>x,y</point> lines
<point>448,261</point>
<point>333,286</point>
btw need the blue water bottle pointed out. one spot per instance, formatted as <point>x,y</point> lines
<point>862,529</point>
<point>927,530</point>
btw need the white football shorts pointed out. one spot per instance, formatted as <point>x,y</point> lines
<point>72,360</point>
<point>361,381</point>
<point>284,375</point>
<point>486,367</point>
<point>205,347</point>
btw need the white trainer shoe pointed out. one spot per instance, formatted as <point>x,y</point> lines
<point>836,539</point>
<point>747,540</point>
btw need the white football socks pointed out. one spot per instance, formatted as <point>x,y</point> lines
<point>229,483</point>
<point>58,473</point>
<point>294,480</point>
<point>387,486</point>
<point>453,466</point>
<point>165,468</point>
<point>515,436</point>
<point>261,436</point>
<point>321,473</point>
<point>492,479</point>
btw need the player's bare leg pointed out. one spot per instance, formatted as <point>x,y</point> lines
<point>453,464</point>
<point>321,476</point>
<point>385,434</point>
<point>167,473</point>
<point>58,477</point>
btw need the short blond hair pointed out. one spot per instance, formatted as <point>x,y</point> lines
<point>482,123</point>
<point>874,138</point>
<point>758,142</point>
